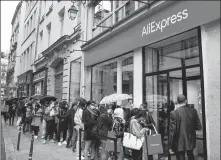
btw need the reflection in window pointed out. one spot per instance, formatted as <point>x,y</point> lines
<point>179,54</point>
<point>104,77</point>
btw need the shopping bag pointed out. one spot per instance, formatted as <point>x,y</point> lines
<point>154,143</point>
<point>110,143</point>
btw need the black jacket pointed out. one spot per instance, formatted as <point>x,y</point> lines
<point>104,124</point>
<point>70,115</point>
<point>183,125</point>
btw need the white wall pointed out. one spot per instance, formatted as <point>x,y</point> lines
<point>54,19</point>
<point>211,64</point>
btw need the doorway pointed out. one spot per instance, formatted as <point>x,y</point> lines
<point>172,67</point>
<point>58,90</point>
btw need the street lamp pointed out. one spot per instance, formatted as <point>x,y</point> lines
<point>72,12</point>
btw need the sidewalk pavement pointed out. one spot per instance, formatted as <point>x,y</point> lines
<point>48,151</point>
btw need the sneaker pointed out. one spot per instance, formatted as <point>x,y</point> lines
<point>65,143</point>
<point>81,157</point>
<point>44,142</point>
<point>59,144</point>
<point>52,141</point>
<point>42,137</point>
<point>36,137</point>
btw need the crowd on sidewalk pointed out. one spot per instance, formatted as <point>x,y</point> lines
<point>60,123</point>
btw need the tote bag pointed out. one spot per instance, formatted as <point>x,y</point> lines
<point>131,141</point>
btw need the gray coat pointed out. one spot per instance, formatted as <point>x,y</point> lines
<point>183,125</point>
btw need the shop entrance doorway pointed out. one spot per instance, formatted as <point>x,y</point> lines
<point>161,98</point>
<point>170,70</point>
<point>59,81</point>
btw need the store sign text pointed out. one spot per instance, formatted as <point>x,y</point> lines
<point>39,76</point>
<point>155,26</point>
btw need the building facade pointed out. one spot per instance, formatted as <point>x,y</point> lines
<point>58,51</point>
<point>14,43</point>
<point>4,69</point>
<point>155,50</point>
<point>151,50</point>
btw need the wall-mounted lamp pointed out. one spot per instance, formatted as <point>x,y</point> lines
<point>75,50</point>
<point>72,12</point>
<point>78,40</point>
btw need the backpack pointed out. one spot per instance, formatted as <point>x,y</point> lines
<point>63,114</point>
<point>119,127</point>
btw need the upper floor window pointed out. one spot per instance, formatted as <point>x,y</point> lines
<point>61,17</point>
<point>49,33</point>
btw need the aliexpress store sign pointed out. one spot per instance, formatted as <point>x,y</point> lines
<point>161,25</point>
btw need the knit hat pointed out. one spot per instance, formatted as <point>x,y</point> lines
<point>119,113</point>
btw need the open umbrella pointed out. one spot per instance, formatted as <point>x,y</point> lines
<point>48,98</point>
<point>21,98</point>
<point>114,98</point>
<point>37,96</point>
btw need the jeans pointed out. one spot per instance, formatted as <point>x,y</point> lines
<point>62,130</point>
<point>137,154</point>
<point>104,153</point>
<point>11,118</point>
<point>43,127</point>
<point>181,155</point>
<point>50,129</point>
<point>78,139</point>
<point>70,134</point>
<point>27,124</point>
<point>5,116</point>
<point>35,129</point>
<point>89,144</point>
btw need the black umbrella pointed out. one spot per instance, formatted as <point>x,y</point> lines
<point>48,98</point>
<point>37,96</point>
<point>21,98</point>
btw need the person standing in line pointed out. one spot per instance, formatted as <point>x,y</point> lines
<point>12,109</point>
<point>21,113</point>
<point>119,129</point>
<point>79,124</point>
<point>44,106</point>
<point>4,110</point>
<point>89,120</point>
<point>184,121</point>
<point>62,123</point>
<point>37,117</point>
<point>104,124</point>
<point>28,119</point>
<point>50,122</point>
<point>70,116</point>
<point>137,128</point>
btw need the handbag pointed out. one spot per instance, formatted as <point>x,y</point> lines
<point>131,141</point>
<point>154,143</point>
<point>110,143</point>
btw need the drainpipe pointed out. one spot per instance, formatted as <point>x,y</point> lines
<point>36,45</point>
<point>85,39</point>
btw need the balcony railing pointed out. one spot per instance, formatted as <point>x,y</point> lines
<point>120,13</point>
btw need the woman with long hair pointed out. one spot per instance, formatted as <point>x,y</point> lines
<point>136,123</point>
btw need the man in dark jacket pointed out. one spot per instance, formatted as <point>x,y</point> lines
<point>184,122</point>
<point>104,124</point>
<point>70,114</point>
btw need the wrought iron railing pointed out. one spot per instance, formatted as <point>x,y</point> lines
<point>120,13</point>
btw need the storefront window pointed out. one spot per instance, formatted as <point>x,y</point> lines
<point>176,55</point>
<point>75,80</point>
<point>172,67</point>
<point>105,80</point>
<point>39,88</point>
